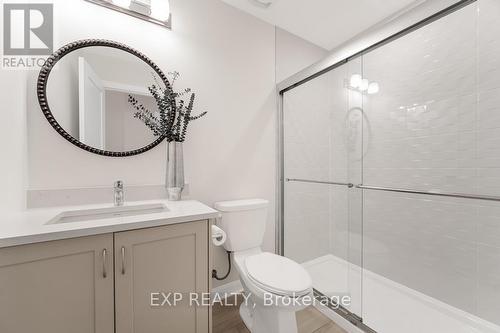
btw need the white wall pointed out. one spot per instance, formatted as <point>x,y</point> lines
<point>197,48</point>
<point>123,131</point>
<point>227,57</point>
<point>62,94</point>
<point>13,137</point>
<point>294,54</point>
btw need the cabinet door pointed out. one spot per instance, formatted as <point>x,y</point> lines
<point>58,287</point>
<point>166,259</point>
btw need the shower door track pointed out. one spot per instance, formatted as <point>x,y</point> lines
<point>343,312</point>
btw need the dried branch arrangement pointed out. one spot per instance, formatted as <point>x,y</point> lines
<point>174,112</point>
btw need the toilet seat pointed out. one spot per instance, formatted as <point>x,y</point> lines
<point>278,275</point>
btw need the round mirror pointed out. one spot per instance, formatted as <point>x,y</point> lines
<point>89,91</point>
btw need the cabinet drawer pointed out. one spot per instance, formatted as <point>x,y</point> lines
<point>165,259</point>
<point>58,287</point>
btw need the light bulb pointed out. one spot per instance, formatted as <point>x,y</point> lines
<point>122,3</point>
<point>373,88</point>
<point>364,85</point>
<point>160,9</point>
<point>355,81</point>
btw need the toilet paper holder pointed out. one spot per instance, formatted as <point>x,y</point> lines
<point>218,236</point>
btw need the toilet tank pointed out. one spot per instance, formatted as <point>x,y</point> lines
<point>244,222</point>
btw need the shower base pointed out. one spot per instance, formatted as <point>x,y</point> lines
<point>387,306</point>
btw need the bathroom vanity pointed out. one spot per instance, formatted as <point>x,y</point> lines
<point>99,275</point>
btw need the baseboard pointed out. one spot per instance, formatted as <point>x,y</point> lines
<point>234,287</point>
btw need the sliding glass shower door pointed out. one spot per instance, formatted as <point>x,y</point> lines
<point>391,169</point>
<point>322,127</point>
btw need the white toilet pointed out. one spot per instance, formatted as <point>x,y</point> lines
<point>278,287</point>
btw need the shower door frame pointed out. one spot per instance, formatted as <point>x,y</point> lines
<point>402,23</point>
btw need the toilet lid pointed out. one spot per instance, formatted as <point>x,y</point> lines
<point>278,274</point>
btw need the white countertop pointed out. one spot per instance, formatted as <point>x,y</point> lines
<point>30,226</point>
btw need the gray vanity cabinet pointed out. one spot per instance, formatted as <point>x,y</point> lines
<point>58,287</point>
<point>172,260</point>
<point>103,283</point>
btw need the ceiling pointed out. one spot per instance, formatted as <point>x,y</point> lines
<point>326,23</point>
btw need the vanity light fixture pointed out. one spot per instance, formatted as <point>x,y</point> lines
<point>160,10</point>
<point>154,11</point>
<point>122,3</point>
<point>141,6</point>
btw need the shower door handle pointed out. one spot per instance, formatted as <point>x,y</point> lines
<point>350,185</point>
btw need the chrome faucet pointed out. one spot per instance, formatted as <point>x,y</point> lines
<point>118,193</point>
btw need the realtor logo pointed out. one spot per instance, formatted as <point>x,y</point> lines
<point>28,34</point>
<point>28,29</point>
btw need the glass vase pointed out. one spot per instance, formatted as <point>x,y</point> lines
<point>174,180</point>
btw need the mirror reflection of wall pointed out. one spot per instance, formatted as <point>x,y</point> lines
<point>88,93</point>
<point>123,131</point>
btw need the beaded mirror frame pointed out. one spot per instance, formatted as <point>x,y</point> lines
<point>44,75</point>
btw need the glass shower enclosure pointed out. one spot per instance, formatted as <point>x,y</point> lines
<point>390,176</point>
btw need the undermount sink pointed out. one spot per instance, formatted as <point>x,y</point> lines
<point>107,213</point>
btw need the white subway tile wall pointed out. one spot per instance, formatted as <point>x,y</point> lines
<point>435,126</point>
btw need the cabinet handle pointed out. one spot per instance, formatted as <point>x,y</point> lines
<point>104,255</point>
<point>123,260</point>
